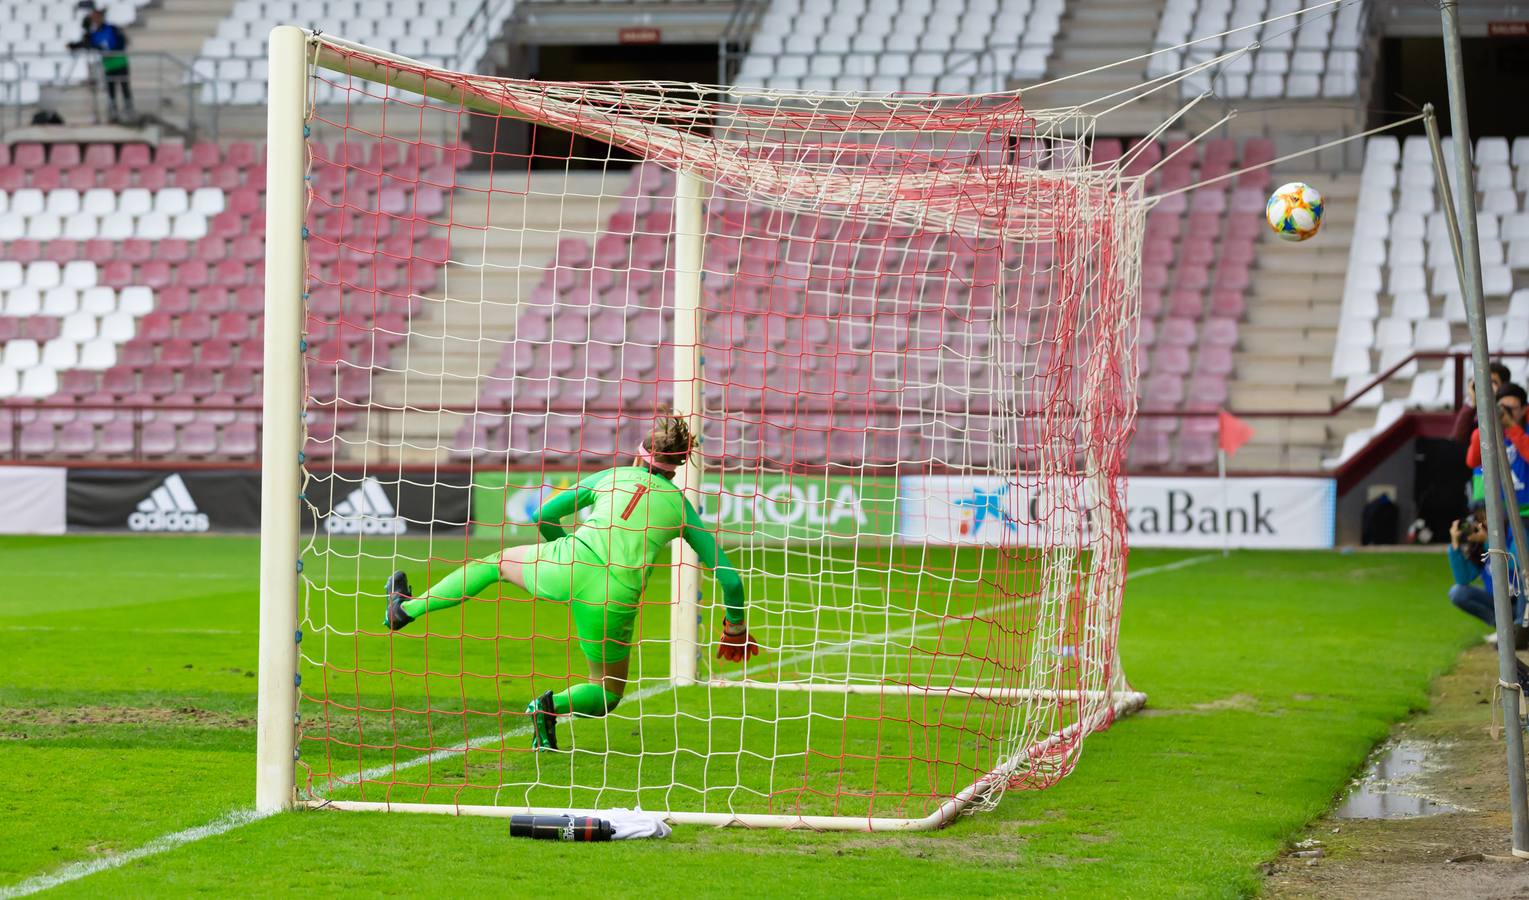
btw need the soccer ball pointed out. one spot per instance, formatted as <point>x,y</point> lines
<point>1295,211</point>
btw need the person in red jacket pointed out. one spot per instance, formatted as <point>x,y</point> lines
<point>1511,401</point>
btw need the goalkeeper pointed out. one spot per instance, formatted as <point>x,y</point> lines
<point>600,570</point>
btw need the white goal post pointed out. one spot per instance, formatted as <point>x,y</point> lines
<point>903,328</point>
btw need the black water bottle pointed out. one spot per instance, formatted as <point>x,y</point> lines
<point>561,828</point>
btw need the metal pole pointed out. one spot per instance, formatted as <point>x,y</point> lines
<point>1486,411</point>
<point>276,735</point>
<point>689,243</point>
<point>1451,218</point>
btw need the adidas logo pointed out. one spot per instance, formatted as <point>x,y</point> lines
<point>366,511</point>
<point>168,508</point>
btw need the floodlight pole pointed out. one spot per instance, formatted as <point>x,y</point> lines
<point>1486,411</point>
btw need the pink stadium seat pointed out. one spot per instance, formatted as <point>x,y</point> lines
<point>116,178</point>
<point>117,438</point>
<point>173,300</point>
<point>28,156</point>
<point>1215,360</point>
<point>80,178</point>
<point>77,439</point>
<point>193,273</point>
<point>1197,449</point>
<point>37,439</point>
<point>171,155</point>
<point>206,154</point>
<point>77,383</point>
<point>198,438</point>
<point>240,441</point>
<point>1206,392</point>
<point>157,380</point>
<point>156,326</point>
<point>196,326</point>
<point>138,353</point>
<point>62,251</point>
<point>42,328</point>
<point>153,177</point>
<point>218,353</point>
<point>240,381</point>
<point>1179,332</point>
<point>233,326</point>
<point>240,153</point>
<point>24,251</point>
<point>138,250</point>
<point>155,273</point>
<point>231,273</point>
<point>177,354</point>
<point>158,439</point>
<point>100,250</point>
<point>134,156</point>
<point>1220,332</point>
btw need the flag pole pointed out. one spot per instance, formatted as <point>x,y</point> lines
<point>1226,514</point>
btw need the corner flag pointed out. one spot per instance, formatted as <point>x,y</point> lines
<point>1234,432</point>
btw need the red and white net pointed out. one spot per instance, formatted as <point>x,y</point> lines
<point>916,354</point>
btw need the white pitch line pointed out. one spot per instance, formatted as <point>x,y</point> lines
<point>240,818</point>
<point>78,870</point>
<point>911,630</point>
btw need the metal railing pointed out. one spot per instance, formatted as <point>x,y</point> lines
<point>166,91</point>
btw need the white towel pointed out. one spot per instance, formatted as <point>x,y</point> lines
<point>635,824</point>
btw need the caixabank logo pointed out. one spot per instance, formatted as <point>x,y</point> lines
<point>367,510</point>
<point>168,507</point>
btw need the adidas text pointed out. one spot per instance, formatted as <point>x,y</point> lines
<point>168,507</point>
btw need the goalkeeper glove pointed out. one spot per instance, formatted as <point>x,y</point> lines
<point>736,645</point>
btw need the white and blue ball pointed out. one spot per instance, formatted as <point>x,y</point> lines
<point>1295,211</point>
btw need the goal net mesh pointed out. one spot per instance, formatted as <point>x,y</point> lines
<point>916,356</point>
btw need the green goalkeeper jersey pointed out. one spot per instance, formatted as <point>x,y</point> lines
<point>635,515</point>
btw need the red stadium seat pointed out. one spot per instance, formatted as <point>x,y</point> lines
<point>241,153</point>
<point>171,155</point>
<point>153,178</point>
<point>24,251</point>
<point>157,380</point>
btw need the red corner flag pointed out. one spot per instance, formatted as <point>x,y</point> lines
<point>1234,432</point>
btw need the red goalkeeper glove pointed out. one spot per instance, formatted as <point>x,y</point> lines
<point>736,645</point>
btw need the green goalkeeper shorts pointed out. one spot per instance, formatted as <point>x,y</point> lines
<point>604,610</point>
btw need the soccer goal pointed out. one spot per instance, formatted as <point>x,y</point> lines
<point>904,328</point>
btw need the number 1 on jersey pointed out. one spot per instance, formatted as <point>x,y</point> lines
<point>632,504</point>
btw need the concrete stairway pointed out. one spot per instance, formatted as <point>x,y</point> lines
<point>1097,32</point>
<point>1287,338</point>
<point>501,246</point>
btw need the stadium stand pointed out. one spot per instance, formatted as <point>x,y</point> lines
<point>1401,264</point>
<point>140,286</point>
<point>892,45</point>
<point>1317,56</point>
<point>578,336</point>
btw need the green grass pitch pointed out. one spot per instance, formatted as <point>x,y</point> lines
<point>127,707</point>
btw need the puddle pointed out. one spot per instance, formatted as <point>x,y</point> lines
<point>1391,787</point>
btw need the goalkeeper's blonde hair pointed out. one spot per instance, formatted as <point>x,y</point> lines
<point>670,441</point>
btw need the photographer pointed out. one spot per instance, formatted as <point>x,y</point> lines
<point>111,43</point>
<point>1468,562</point>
